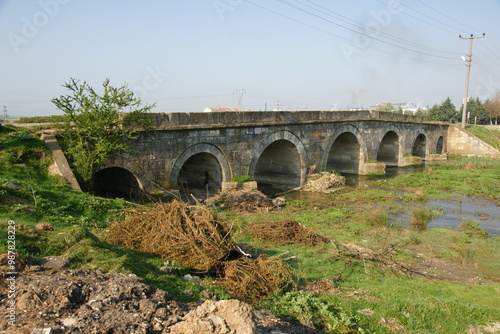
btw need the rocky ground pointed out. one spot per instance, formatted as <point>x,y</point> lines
<point>49,295</point>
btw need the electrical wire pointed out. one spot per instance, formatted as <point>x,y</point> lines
<point>329,12</point>
<point>362,33</point>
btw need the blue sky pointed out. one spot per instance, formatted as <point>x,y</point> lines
<point>192,54</point>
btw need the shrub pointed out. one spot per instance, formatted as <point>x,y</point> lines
<point>241,179</point>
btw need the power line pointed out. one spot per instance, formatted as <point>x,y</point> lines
<point>345,19</point>
<point>447,16</point>
<point>360,32</point>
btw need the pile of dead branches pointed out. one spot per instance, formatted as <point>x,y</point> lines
<point>382,260</point>
<point>286,232</point>
<point>254,279</point>
<point>324,183</point>
<point>191,236</point>
<point>188,234</point>
<point>242,201</point>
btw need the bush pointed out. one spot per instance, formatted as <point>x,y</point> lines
<point>241,179</point>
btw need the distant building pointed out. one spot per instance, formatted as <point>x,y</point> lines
<point>408,107</point>
<point>220,109</point>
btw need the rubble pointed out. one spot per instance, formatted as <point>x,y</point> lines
<point>85,301</point>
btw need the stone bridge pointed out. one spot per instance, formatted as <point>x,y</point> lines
<point>201,151</point>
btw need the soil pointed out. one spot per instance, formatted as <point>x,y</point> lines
<point>85,301</point>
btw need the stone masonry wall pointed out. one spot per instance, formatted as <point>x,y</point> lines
<point>465,143</point>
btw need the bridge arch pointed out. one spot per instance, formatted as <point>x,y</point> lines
<point>117,182</point>
<point>440,145</point>
<point>279,162</point>
<point>200,170</point>
<point>389,149</point>
<point>345,150</point>
<point>419,147</point>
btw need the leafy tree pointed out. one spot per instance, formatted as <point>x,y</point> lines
<point>477,112</point>
<point>97,125</point>
<point>387,107</point>
<point>493,108</point>
<point>445,112</point>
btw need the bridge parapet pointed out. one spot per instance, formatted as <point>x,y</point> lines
<point>246,118</point>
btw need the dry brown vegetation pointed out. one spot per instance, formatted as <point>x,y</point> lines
<point>242,201</point>
<point>191,236</point>
<point>251,279</point>
<point>286,232</point>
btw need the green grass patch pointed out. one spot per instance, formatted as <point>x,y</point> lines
<point>241,179</point>
<point>491,137</point>
<point>41,119</point>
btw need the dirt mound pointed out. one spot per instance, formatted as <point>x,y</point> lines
<point>188,234</point>
<point>84,301</point>
<point>324,183</point>
<point>242,201</point>
<point>286,232</point>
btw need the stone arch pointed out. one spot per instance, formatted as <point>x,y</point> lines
<point>280,161</point>
<point>117,182</point>
<point>419,146</point>
<point>201,168</point>
<point>440,145</point>
<point>389,149</point>
<point>345,150</point>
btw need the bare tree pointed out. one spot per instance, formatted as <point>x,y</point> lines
<point>493,108</point>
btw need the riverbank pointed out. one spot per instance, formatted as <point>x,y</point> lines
<point>370,275</point>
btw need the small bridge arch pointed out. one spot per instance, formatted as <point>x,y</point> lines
<point>200,169</point>
<point>345,150</point>
<point>117,182</point>
<point>389,149</point>
<point>419,147</point>
<point>279,161</point>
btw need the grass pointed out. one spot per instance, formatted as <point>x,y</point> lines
<point>241,179</point>
<point>471,176</point>
<point>41,119</point>
<point>365,294</point>
<point>491,137</point>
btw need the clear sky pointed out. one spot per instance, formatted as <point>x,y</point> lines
<point>192,54</point>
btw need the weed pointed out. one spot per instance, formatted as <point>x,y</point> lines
<point>421,217</point>
<point>311,309</point>
<point>244,178</point>
<point>471,228</point>
<point>378,218</point>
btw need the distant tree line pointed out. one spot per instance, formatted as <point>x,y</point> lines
<point>477,111</point>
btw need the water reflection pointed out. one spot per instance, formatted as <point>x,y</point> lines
<point>461,209</point>
<point>452,211</point>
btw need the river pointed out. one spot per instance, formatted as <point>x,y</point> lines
<point>452,212</point>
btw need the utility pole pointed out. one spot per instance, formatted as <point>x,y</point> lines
<point>5,113</point>
<point>239,93</point>
<point>468,64</point>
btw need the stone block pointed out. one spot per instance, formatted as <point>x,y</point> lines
<point>371,168</point>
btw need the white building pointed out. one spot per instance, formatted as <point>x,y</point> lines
<point>220,109</point>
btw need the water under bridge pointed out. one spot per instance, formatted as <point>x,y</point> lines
<point>200,151</point>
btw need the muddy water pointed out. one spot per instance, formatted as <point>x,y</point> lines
<point>452,212</point>
<point>455,211</point>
